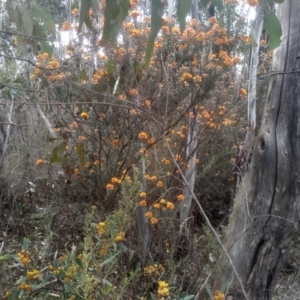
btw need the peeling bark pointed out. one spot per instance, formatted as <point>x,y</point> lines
<point>267,207</point>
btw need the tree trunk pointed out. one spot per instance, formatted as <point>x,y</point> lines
<point>267,205</point>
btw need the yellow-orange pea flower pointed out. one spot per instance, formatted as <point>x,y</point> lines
<point>143,194</point>
<point>110,186</point>
<point>177,157</point>
<point>156,205</point>
<point>162,201</point>
<point>154,221</point>
<point>218,295</point>
<point>115,180</point>
<point>180,197</point>
<point>120,237</point>
<point>143,135</point>
<point>165,161</point>
<point>148,214</point>
<point>170,205</point>
<point>39,162</point>
<point>143,203</point>
<point>84,115</point>
<point>159,184</point>
<point>243,92</point>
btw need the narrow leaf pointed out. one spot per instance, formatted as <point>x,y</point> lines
<point>10,10</point>
<point>224,287</point>
<point>7,256</point>
<point>25,244</point>
<point>45,47</point>
<point>208,289</point>
<point>189,297</point>
<point>157,10</point>
<point>44,16</point>
<point>57,154</point>
<point>109,260</point>
<point>79,262</point>
<point>115,13</point>
<point>183,8</point>
<point>218,4</point>
<point>80,152</point>
<point>84,13</point>
<point>83,75</point>
<point>26,22</point>
<point>110,16</point>
<point>95,7</point>
<point>273,29</point>
<point>39,30</point>
<point>205,2</point>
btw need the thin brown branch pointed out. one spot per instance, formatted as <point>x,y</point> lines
<point>21,34</point>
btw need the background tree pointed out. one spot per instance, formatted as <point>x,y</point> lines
<point>266,208</point>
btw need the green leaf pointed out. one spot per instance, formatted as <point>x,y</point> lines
<point>79,262</point>
<point>110,18</point>
<point>157,11</point>
<point>106,282</point>
<point>46,47</point>
<point>123,13</point>
<point>80,152</point>
<point>22,279</point>
<point>205,2</point>
<point>278,1</point>
<point>7,256</point>
<point>84,16</point>
<point>44,17</point>
<point>183,8</point>
<point>208,289</point>
<point>10,10</point>
<point>218,4</point>
<point>109,260</point>
<point>115,13</point>
<point>25,19</point>
<point>6,93</point>
<point>273,29</point>
<point>57,154</point>
<point>26,244</point>
<point>224,287</point>
<point>95,7</point>
<point>149,49</point>
<point>189,297</point>
<point>83,75</point>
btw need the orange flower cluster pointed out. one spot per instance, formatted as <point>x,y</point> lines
<point>50,64</point>
<point>227,60</point>
<point>98,75</point>
<point>252,2</point>
<point>75,12</point>
<point>66,26</point>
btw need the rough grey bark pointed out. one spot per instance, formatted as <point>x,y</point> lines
<point>267,206</point>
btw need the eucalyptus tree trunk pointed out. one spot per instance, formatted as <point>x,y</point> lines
<point>267,206</point>
<point>257,31</point>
